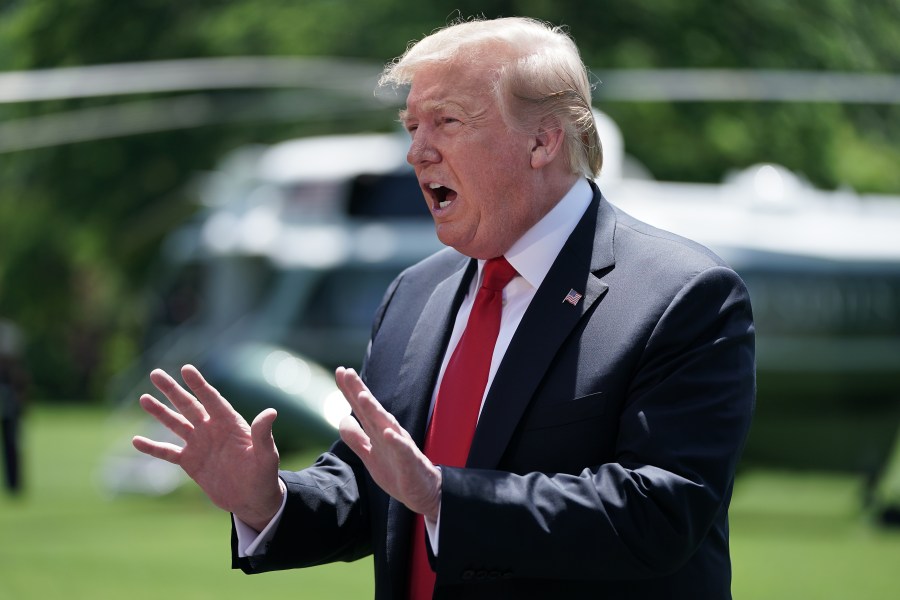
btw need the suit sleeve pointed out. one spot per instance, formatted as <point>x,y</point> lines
<point>324,520</point>
<point>681,429</point>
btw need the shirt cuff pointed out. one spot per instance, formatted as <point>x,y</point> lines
<point>251,542</point>
<point>434,528</point>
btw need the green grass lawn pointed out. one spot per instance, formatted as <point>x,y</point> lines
<point>805,536</point>
<point>68,539</point>
<point>794,536</point>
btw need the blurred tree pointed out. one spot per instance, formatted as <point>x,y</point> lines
<point>88,217</point>
<point>830,144</point>
<point>81,221</point>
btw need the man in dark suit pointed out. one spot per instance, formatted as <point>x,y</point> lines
<point>612,400</point>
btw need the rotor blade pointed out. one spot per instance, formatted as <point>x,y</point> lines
<point>327,74</point>
<point>167,114</point>
<point>360,78</point>
<point>674,85</point>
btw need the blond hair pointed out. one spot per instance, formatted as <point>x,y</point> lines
<point>543,78</point>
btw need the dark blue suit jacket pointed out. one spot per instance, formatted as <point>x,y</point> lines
<point>604,458</point>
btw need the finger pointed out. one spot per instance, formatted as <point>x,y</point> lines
<point>399,437</point>
<point>369,412</point>
<point>374,416</point>
<point>348,382</point>
<point>355,437</point>
<point>261,431</point>
<point>162,450</point>
<point>209,397</point>
<point>396,443</point>
<point>186,404</point>
<point>353,388</point>
<point>173,421</point>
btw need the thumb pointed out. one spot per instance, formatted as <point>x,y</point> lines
<point>261,431</point>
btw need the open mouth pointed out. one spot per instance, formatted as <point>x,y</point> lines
<point>441,197</point>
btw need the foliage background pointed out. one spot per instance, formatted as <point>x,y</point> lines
<point>80,223</point>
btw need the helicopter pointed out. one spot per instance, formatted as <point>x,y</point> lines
<point>276,281</point>
<point>252,283</point>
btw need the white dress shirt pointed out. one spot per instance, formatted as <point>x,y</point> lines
<point>531,256</point>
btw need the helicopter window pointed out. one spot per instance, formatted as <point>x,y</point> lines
<point>213,291</point>
<point>176,301</point>
<point>181,298</point>
<point>312,199</point>
<point>390,195</point>
<point>855,303</point>
<point>347,298</point>
<point>238,285</point>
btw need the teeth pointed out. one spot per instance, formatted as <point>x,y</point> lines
<point>442,203</point>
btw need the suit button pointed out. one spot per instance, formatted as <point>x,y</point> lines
<point>468,574</point>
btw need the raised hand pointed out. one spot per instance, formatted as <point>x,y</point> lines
<point>386,449</point>
<point>234,463</point>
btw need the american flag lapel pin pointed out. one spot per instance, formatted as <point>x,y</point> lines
<point>572,297</point>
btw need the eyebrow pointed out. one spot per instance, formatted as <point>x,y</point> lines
<point>431,106</point>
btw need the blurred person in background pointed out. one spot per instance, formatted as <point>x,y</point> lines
<point>12,403</point>
<point>553,407</point>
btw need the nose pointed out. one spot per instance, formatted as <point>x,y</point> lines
<point>421,150</point>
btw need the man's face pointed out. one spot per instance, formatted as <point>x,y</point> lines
<point>474,171</point>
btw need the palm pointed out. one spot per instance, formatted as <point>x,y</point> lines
<point>387,450</point>
<point>234,463</point>
<point>216,447</point>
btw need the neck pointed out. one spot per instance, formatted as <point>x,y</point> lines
<point>556,185</point>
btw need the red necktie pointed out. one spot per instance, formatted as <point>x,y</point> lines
<point>458,401</point>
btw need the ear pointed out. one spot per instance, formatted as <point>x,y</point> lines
<point>547,144</point>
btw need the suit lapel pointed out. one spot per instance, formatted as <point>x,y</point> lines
<point>422,358</point>
<point>547,323</point>
<point>416,380</point>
